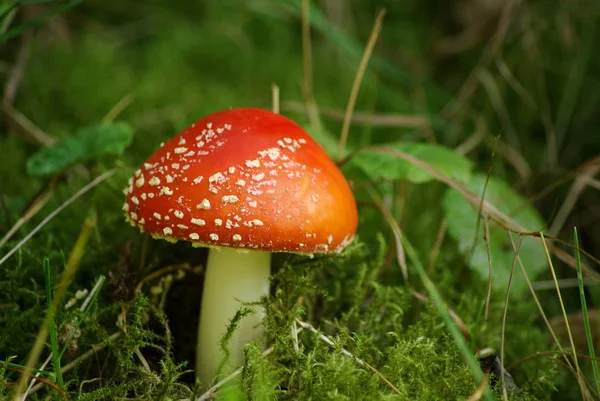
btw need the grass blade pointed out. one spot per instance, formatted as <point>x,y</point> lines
<point>53,336</point>
<point>586,319</point>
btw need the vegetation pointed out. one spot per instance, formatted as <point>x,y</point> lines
<point>468,131</point>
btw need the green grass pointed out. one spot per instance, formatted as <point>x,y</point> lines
<point>403,312</point>
<point>584,309</point>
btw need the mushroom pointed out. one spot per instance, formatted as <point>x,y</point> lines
<point>245,183</point>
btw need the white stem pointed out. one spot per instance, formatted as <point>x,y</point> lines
<point>232,277</point>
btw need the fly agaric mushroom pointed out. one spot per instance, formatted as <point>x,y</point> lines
<point>244,182</point>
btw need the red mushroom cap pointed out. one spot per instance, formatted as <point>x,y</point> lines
<point>244,178</point>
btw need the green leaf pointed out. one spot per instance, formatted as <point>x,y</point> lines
<point>461,217</point>
<point>381,165</point>
<point>110,138</point>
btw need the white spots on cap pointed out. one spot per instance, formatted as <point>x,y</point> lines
<point>321,248</point>
<point>125,207</point>
<point>190,153</point>
<point>194,236</point>
<point>167,217</point>
<point>182,226</point>
<point>315,198</point>
<point>236,237</point>
<point>169,178</point>
<point>205,204</point>
<point>148,166</point>
<point>135,200</point>
<point>133,216</point>
<point>198,222</point>
<point>209,125</point>
<point>166,191</point>
<point>151,195</point>
<point>178,214</point>
<point>347,240</point>
<point>302,141</point>
<point>167,231</point>
<point>218,222</point>
<point>252,203</point>
<point>142,221</point>
<point>227,127</point>
<point>157,216</point>
<point>290,144</point>
<point>255,192</point>
<point>293,174</point>
<point>180,150</point>
<point>181,141</point>
<point>137,173</point>
<point>154,181</point>
<point>175,166</point>
<point>253,163</point>
<point>139,182</point>
<point>144,196</point>
<point>258,177</point>
<point>198,179</point>
<point>187,166</point>
<point>255,222</point>
<point>231,169</point>
<point>271,183</point>
<point>229,199</point>
<point>272,153</point>
<point>240,183</point>
<point>330,239</point>
<point>217,177</point>
<point>214,237</point>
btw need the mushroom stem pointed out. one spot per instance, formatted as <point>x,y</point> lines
<point>232,276</point>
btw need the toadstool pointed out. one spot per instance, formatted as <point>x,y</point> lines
<point>244,182</point>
